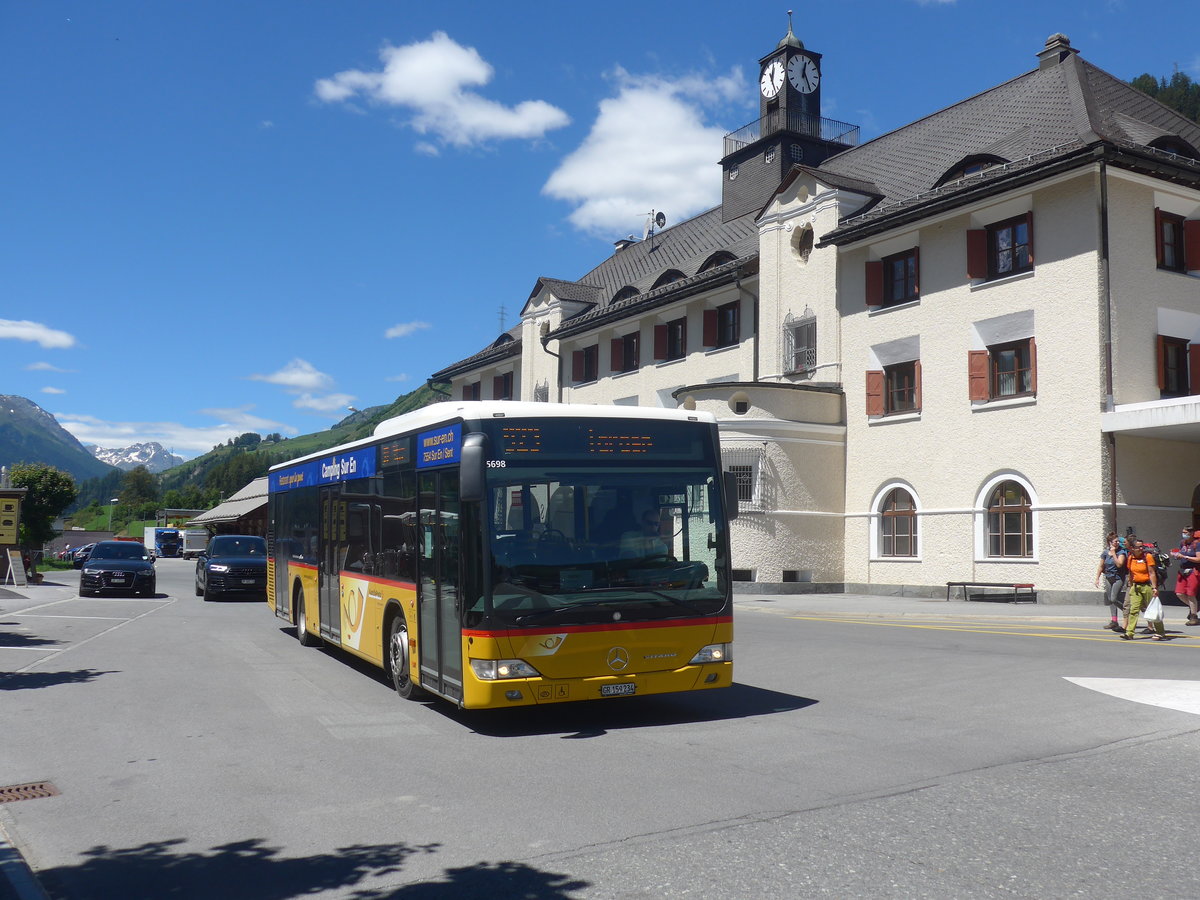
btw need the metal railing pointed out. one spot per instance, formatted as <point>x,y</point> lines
<point>788,120</point>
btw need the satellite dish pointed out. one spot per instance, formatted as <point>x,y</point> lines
<point>660,220</point>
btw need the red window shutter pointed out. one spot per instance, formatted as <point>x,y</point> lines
<point>1160,361</point>
<point>710,328</point>
<point>977,375</point>
<point>917,384</point>
<point>1191,245</point>
<point>1029,227</point>
<point>616,354</point>
<point>917,271</point>
<point>874,276</point>
<point>498,387</point>
<point>1194,369</point>
<point>1032,365</point>
<point>660,341</point>
<point>1158,241</point>
<point>875,384</point>
<point>977,253</point>
<point>577,366</point>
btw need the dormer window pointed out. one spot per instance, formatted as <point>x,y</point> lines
<point>624,293</point>
<point>971,165</point>
<point>1177,146</point>
<point>717,259</point>
<point>667,277</point>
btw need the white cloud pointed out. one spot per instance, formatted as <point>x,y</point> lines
<point>46,367</point>
<point>297,375</point>
<point>183,440</point>
<point>649,148</point>
<point>35,332</point>
<point>324,403</point>
<point>433,79</point>
<point>53,390</point>
<point>404,329</point>
<point>401,377</point>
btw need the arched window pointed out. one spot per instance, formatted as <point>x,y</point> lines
<point>668,277</point>
<point>898,524</point>
<point>970,165</point>
<point>717,259</point>
<point>1178,146</point>
<point>623,294</point>
<point>1009,525</point>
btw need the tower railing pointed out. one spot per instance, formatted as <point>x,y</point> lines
<point>789,120</point>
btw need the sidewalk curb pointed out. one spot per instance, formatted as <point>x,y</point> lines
<point>17,880</point>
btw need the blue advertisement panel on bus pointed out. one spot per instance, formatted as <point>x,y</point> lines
<point>330,470</point>
<point>439,447</point>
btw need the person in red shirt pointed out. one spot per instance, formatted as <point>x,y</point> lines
<point>1143,585</point>
<point>1188,580</point>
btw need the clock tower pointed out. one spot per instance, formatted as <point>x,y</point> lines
<point>789,129</point>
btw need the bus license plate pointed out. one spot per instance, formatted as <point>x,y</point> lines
<point>616,690</point>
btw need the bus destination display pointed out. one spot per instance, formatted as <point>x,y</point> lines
<point>565,439</point>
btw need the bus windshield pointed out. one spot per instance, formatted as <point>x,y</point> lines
<point>583,544</point>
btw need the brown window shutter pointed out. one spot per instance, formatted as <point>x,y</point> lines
<point>1158,241</point>
<point>1191,245</point>
<point>616,354</point>
<point>874,275</point>
<point>1194,369</point>
<point>977,375</point>
<point>875,383</point>
<point>1160,361</point>
<point>1029,227</point>
<point>577,366</point>
<point>977,253</point>
<point>917,271</point>
<point>710,328</point>
<point>497,387</point>
<point>1032,365</point>
<point>660,341</point>
<point>917,384</point>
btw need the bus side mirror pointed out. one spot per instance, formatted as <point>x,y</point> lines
<point>470,479</point>
<point>731,495</point>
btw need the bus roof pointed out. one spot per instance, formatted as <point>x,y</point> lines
<point>451,410</point>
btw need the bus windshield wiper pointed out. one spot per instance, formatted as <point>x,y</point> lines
<point>541,613</point>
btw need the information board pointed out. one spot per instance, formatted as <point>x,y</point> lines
<point>16,569</point>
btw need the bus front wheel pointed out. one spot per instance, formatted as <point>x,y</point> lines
<point>398,662</point>
<point>301,620</point>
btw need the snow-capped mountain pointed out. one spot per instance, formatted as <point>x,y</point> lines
<point>152,455</point>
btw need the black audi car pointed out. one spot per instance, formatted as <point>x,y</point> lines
<point>233,564</point>
<point>124,566</point>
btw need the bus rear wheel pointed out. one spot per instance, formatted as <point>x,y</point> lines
<point>398,661</point>
<point>301,620</point>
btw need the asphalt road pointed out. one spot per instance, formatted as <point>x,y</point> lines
<point>199,751</point>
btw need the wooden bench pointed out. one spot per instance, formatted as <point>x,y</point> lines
<point>1018,591</point>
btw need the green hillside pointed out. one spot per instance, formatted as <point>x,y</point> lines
<point>30,434</point>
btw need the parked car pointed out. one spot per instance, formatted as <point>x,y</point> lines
<point>78,556</point>
<point>123,566</point>
<point>232,564</point>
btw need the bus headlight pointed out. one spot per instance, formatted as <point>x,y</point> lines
<point>502,669</point>
<point>713,653</point>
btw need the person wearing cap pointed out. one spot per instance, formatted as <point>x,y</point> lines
<point>1188,578</point>
<point>1143,585</point>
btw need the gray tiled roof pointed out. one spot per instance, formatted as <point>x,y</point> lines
<point>1040,116</point>
<point>505,346</point>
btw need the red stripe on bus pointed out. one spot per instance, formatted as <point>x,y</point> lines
<point>371,579</point>
<point>607,626</point>
<point>292,562</point>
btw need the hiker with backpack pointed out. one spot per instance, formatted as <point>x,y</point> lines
<point>1188,578</point>
<point>1113,570</point>
<point>1143,587</point>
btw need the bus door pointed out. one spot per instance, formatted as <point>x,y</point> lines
<point>439,633</point>
<point>333,539</point>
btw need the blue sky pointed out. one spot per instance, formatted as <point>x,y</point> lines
<point>224,217</point>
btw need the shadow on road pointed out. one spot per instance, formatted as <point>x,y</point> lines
<point>12,639</point>
<point>24,681</point>
<point>593,718</point>
<point>249,869</point>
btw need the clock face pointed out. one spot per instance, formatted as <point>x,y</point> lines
<point>772,79</point>
<point>803,74</point>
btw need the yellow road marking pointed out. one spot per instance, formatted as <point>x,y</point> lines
<point>997,628</point>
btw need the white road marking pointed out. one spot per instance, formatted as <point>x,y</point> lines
<point>1179,695</point>
<point>55,654</point>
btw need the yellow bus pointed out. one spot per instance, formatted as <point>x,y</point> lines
<point>500,554</point>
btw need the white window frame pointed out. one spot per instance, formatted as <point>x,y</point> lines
<point>876,520</point>
<point>753,458</point>
<point>981,514</point>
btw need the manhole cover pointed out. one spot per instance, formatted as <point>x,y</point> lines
<point>32,791</point>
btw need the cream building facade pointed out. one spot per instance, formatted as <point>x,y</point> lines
<point>960,352</point>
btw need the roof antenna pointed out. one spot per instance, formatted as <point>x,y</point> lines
<point>502,319</point>
<point>653,219</point>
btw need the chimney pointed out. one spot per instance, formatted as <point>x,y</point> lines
<point>1058,47</point>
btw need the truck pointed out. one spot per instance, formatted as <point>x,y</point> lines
<point>162,542</point>
<point>194,542</point>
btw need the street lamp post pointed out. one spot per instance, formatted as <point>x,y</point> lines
<point>111,506</point>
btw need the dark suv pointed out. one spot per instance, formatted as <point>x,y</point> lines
<point>232,564</point>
